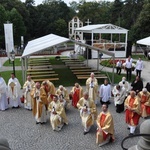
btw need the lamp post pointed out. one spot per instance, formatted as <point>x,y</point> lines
<point>12,57</point>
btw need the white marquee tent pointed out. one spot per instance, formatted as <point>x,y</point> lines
<point>49,41</point>
<point>145,41</point>
<point>106,29</point>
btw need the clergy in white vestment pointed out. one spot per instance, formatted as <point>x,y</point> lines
<point>39,103</point>
<point>27,88</point>
<point>57,114</point>
<point>3,92</point>
<point>119,97</point>
<point>92,87</point>
<point>63,96</point>
<point>105,92</point>
<point>125,84</point>
<point>88,112</point>
<point>14,91</point>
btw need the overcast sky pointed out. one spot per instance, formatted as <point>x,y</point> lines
<point>37,2</point>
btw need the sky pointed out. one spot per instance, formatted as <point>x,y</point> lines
<point>37,2</point>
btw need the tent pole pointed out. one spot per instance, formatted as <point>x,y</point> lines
<point>22,66</point>
<point>98,60</point>
<point>113,70</point>
<point>87,57</point>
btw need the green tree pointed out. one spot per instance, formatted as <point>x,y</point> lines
<point>61,27</point>
<point>19,28</point>
<point>141,27</point>
<point>3,19</point>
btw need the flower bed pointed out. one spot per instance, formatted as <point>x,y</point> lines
<point>109,63</point>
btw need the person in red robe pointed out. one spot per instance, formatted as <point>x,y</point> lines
<point>144,97</point>
<point>105,127</point>
<point>132,111</point>
<point>77,93</point>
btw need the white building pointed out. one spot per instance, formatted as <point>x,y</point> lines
<point>73,24</point>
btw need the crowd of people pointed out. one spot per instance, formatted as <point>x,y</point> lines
<point>43,99</point>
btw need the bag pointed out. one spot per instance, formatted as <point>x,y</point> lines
<point>22,99</point>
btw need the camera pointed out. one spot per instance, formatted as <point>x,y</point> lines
<point>123,82</point>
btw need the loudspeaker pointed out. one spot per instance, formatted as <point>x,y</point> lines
<point>88,50</point>
<point>129,49</point>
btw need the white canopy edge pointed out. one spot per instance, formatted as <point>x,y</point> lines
<point>102,28</point>
<point>43,43</point>
<point>145,41</point>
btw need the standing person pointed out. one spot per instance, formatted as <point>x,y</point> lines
<point>137,85</point>
<point>63,96</point>
<point>105,92</point>
<point>118,67</point>
<point>128,68</point>
<point>144,97</point>
<point>92,87</point>
<point>27,88</point>
<point>119,97</point>
<point>132,111</point>
<point>139,67</point>
<point>3,94</point>
<point>148,86</point>
<point>39,103</point>
<point>57,114</point>
<point>105,127</point>
<point>77,93</point>
<point>125,84</point>
<point>14,91</point>
<point>88,112</point>
<point>49,89</point>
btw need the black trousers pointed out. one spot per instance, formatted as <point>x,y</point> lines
<point>138,73</point>
<point>120,108</point>
<point>118,70</point>
<point>128,73</point>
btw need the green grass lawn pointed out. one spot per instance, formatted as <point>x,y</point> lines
<point>6,75</point>
<point>9,63</point>
<point>135,56</point>
<point>66,77</point>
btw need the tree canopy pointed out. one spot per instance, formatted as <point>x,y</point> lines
<point>52,16</point>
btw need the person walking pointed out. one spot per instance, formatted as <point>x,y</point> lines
<point>139,67</point>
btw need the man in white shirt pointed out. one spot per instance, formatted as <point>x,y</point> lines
<point>119,66</point>
<point>128,67</point>
<point>139,67</point>
<point>105,92</point>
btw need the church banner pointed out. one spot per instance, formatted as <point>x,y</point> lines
<point>9,40</point>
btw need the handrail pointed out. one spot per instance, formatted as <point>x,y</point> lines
<point>135,135</point>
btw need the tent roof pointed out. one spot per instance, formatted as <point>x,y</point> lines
<point>145,41</point>
<point>102,28</point>
<point>51,40</point>
<point>43,43</point>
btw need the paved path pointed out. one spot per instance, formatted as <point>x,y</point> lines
<point>18,126</point>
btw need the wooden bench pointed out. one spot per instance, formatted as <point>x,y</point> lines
<point>76,65</point>
<point>38,64</point>
<point>80,67</point>
<point>85,72</point>
<point>39,59</point>
<point>43,79</point>
<point>44,66</point>
<point>39,69</point>
<point>86,77</point>
<point>75,60</point>
<point>43,75</point>
<point>43,72</point>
